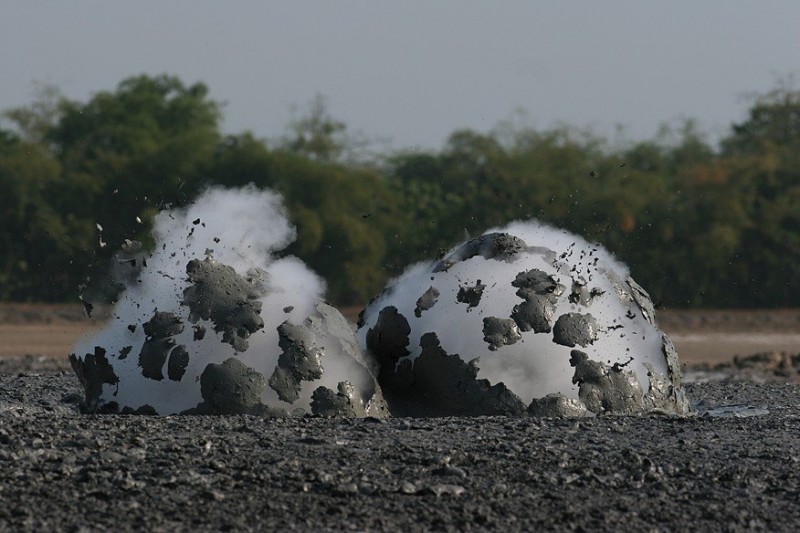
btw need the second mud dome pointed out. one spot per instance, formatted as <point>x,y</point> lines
<point>212,323</point>
<point>523,319</point>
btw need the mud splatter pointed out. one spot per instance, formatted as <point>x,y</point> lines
<point>301,360</point>
<point>426,301</point>
<point>471,295</point>
<point>499,332</point>
<point>497,246</point>
<point>573,329</point>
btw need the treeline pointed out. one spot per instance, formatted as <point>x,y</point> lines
<point>698,225</point>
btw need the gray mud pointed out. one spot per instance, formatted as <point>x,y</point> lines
<point>61,470</point>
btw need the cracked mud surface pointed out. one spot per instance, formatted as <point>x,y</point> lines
<point>60,470</point>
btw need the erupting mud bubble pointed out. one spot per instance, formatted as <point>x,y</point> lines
<point>523,319</point>
<point>211,322</point>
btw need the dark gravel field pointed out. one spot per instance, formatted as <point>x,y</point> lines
<point>723,470</point>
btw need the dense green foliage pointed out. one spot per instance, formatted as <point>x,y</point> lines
<point>699,226</point>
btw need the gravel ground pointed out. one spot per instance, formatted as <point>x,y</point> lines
<point>61,470</point>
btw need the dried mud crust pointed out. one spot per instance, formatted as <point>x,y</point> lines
<point>60,470</point>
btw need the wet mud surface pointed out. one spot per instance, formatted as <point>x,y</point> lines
<point>62,470</point>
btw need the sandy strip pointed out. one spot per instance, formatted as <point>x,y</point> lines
<point>56,340</point>
<point>53,340</point>
<point>713,347</point>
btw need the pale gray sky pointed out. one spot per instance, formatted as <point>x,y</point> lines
<point>414,71</point>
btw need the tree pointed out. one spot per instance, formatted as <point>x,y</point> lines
<point>343,215</point>
<point>127,153</point>
<point>34,122</point>
<point>317,134</point>
<point>37,241</point>
<point>763,153</point>
<point>773,121</point>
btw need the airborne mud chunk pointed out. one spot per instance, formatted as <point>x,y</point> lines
<point>230,388</point>
<point>573,329</point>
<point>471,295</point>
<point>498,246</point>
<point>128,262</point>
<point>440,384</point>
<point>301,360</point>
<point>152,357</point>
<point>388,339</point>
<point>163,325</point>
<point>178,361</point>
<point>159,343</point>
<point>93,371</point>
<point>124,352</point>
<point>540,292</point>
<point>229,300</point>
<point>426,301</point>
<point>499,332</point>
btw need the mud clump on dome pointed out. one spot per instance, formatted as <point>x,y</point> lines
<point>301,360</point>
<point>160,344</point>
<point>229,300</point>
<point>426,301</point>
<point>499,332</point>
<point>575,329</point>
<point>230,388</point>
<point>94,371</point>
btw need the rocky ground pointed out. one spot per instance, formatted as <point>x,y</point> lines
<point>734,465</point>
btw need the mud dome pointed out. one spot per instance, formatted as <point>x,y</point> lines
<point>526,319</point>
<point>212,323</point>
